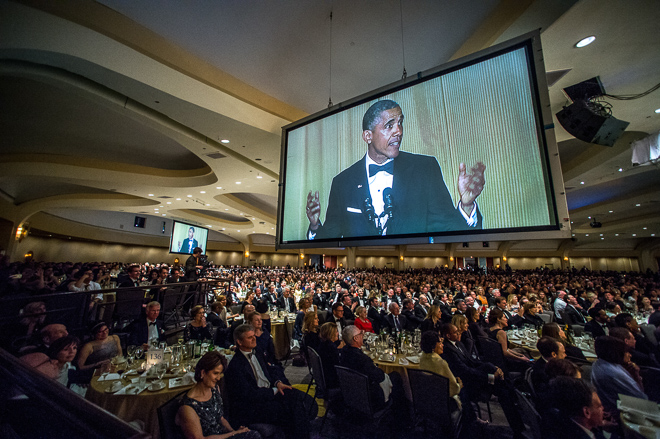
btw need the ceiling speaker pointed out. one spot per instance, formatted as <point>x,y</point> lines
<point>581,121</point>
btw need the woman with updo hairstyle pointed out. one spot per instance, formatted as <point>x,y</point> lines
<point>198,328</point>
<point>202,413</point>
<point>100,350</point>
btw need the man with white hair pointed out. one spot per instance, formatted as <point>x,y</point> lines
<point>559,304</point>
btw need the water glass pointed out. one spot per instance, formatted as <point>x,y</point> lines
<point>162,345</point>
<point>143,381</point>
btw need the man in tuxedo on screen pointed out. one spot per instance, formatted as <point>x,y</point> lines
<point>189,244</point>
<point>391,192</point>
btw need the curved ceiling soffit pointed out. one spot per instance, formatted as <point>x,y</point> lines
<point>260,236</point>
<point>199,216</point>
<point>86,201</point>
<point>123,104</point>
<point>239,204</point>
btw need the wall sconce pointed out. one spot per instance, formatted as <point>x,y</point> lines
<point>401,258</point>
<point>451,258</point>
<point>247,254</point>
<point>504,258</point>
<point>566,258</point>
<point>21,232</point>
<point>302,255</point>
<point>176,260</point>
<point>29,255</point>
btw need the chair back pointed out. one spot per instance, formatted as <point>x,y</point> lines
<point>430,394</point>
<point>323,316</point>
<point>546,317</point>
<point>530,382</point>
<point>492,352</point>
<point>586,372</point>
<point>129,304</point>
<point>651,382</point>
<point>530,416</point>
<point>354,388</point>
<point>578,330</point>
<point>316,368</point>
<point>565,318</point>
<point>170,306</point>
<point>166,417</point>
<point>649,332</point>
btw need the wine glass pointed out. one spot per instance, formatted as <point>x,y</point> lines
<point>139,351</point>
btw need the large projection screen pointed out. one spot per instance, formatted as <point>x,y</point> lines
<point>487,108</point>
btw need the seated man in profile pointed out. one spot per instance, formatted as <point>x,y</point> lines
<point>549,349</point>
<point>390,192</point>
<point>260,394</point>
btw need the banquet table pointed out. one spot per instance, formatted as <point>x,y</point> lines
<point>142,407</point>
<point>530,346</point>
<point>401,369</point>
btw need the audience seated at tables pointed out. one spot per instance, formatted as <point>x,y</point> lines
<point>554,331</point>
<point>414,321</point>
<point>328,350</point>
<point>613,373</point>
<point>642,344</point>
<point>202,413</point>
<point>98,352</point>
<point>433,320</point>
<point>515,360</point>
<point>260,394</point>
<point>637,357</point>
<point>144,329</point>
<point>198,328</point>
<point>599,324</point>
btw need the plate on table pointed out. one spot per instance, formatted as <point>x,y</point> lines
<point>413,359</point>
<point>386,358</point>
<point>156,386</point>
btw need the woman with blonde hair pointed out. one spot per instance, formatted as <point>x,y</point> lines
<point>433,320</point>
<point>310,328</point>
<point>512,303</point>
<point>361,319</point>
<point>329,353</point>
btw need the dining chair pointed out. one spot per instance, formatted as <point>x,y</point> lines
<point>360,409</point>
<point>167,414</point>
<point>649,332</point>
<point>651,382</point>
<point>530,416</point>
<point>316,368</point>
<point>432,404</point>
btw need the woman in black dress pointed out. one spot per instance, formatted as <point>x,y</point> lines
<point>433,321</point>
<point>329,353</point>
<point>198,329</point>
<point>201,413</point>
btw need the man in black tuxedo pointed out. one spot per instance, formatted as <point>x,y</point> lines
<point>261,394</point>
<point>573,311</point>
<point>349,315</point>
<point>408,313</point>
<point>477,374</point>
<point>390,192</point>
<point>375,313</point>
<point>394,321</point>
<point>286,302</point>
<point>133,279</point>
<point>390,298</point>
<point>422,307</point>
<point>143,330</point>
<point>194,265</point>
<point>549,349</point>
<point>337,316</point>
<point>599,323</point>
<point>190,243</point>
<point>445,308</point>
<point>319,299</point>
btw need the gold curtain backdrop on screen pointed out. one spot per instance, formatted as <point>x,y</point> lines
<point>481,113</point>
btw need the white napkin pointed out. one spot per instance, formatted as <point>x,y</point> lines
<point>109,377</point>
<point>386,385</point>
<point>131,389</point>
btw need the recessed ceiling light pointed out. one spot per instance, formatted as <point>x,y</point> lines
<point>161,206</point>
<point>620,169</point>
<point>238,230</point>
<point>589,217</point>
<point>645,228</point>
<point>585,41</point>
<point>202,192</point>
<point>582,182</point>
<point>601,234</point>
<point>223,228</point>
<point>611,211</point>
<point>573,234</point>
<point>616,234</point>
<point>259,176</point>
<point>164,215</point>
<point>657,111</point>
<point>155,208</point>
<point>634,234</point>
<point>652,234</point>
<point>218,187</point>
<point>208,204</point>
<point>189,196</point>
<point>637,205</point>
<point>178,199</point>
<point>255,219</point>
<point>586,234</point>
<point>602,238</point>
<point>169,202</point>
<point>151,195</point>
<point>208,225</point>
<point>238,182</point>
<point>224,141</point>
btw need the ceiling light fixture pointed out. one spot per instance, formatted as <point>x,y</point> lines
<point>151,195</point>
<point>637,205</point>
<point>238,182</point>
<point>620,169</point>
<point>178,199</point>
<point>189,196</point>
<point>169,202</point>
<point>585,41</point>
<point>582,182</point>
<point>634,234</point>
<point>207,204</point>
<point>218,187</point>
<point>202,192</point>
<point>259,176</point>
<point>657,111</point>
<point>224,141</point>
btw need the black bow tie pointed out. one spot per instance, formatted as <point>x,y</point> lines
<point>152,323</point>
<point>387,167</point>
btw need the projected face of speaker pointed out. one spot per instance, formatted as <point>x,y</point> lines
<point>385,138</point>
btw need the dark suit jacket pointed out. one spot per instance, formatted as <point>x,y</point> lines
<point>420,311</point>
<point>446,312</point>
<point>243,391</point>
<point>595,328</point>
<point>420,199</point>
<point>413,320</point>
<point>473,373</point>
<point>129,283</point>
<point>191,268</point>
<point>389,323</point>
<point>376,317</point>
<point>139,332</point>
<point>319,301</point>
<point>292,303</point>
<point>186,247</point>
<point>575,315</point>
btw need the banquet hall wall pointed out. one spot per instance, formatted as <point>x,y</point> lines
<point>54,249</point>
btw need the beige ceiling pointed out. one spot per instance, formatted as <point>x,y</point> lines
<point>104,103</point>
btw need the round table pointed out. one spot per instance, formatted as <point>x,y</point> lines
<point>129,408</point>
<point>401,369</point>
<point>281,337</point>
